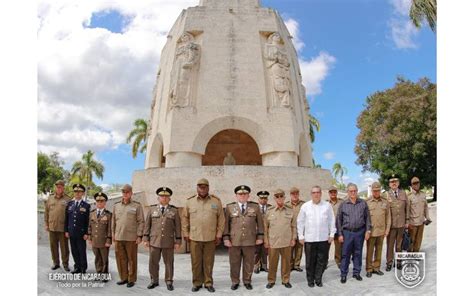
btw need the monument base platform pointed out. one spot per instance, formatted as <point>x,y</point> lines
<point>223,180</point>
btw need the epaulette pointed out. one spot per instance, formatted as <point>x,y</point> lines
<point>288,206</point>
<point>212,195</point>
<point>172,206</point>
<point>271,207</point>
<point>107,211</point>
<point>252,202</point>
<point>136,202</point>
<point>118,202</point>
<point>191,196</point>
<point>153,205</point>
<point>231,203</point>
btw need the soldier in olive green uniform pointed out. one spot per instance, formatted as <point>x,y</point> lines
<point>243,230</point>
<point>261,253</point>
<point>127,231</point>
<point>54,220</point>
<point>399,213</point>
<point>335,202</point>
<point>163,235</point>
<point>379,210</point>
<point>297,251</point>
<point>418,215</point>
<point>100,233</point>
<point>203,225</point>
<point>280,236</point>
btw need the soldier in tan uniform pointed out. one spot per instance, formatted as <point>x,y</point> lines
<point>100,233</point>
<point>243,230</point>
<point>379,210</point>
<point>162,235</point>
<point>261,253</point>
<point>419,215</point>
<point>54,220</point>
<point>127,231</point>
<point>280,237</point>
<point>203,225</point>
<point>399,213</point>
<point>297,251</point>
<point>335,202</point>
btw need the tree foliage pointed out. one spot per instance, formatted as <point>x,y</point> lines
<point>398,132</point>
<point>421,10</point>
<point>339,171</point>
<point>138,137</point>
<point>87,167</point>
<point>49,171</point>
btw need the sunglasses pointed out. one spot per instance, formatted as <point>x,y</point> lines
<point>279,196</point>
<point>415,183</point>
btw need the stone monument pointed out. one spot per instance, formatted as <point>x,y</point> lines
<point>229,83</point>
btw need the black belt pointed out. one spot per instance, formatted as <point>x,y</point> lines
<point>354,229</point>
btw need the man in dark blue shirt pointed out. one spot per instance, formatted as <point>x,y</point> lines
<point>75,227</point>
<point>353,225</point>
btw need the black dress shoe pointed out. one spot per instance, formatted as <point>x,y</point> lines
<point>122,282</point>
<point>196,288</point>
<point>248,286</point>
<point>319,284</point>
<point>270,285</point>
<point>357,277</point>
<point>343,279</point>
<point>299,269</point>
<point>369,274</point>
<point>76,271</point>
<point>66,268</point>
<point>54,267</point>
<point>130,284</point>
<point>234,287</point>
<point>265,269</point>
<point>287,285</point>
<point>152,285</point>
<point>169,287</point>
<point>378,272</point>
<point>211,289</point>
<point>311,285</point>
<point>105,281</point>
<point>257,270</point>
<point>389,267</point>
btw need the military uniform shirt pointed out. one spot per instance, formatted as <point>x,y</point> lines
<point>55,212</point>
<point>418,208</point>
<point>379,216</point>
<point>203,218</point>
<point>127,221</point>
<point>280,227</point>
<point>243,229</point>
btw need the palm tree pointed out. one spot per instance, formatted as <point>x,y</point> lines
<point>139,136</point>
<point>338,170</point>
<point>313,125</point>
<point>85,168</point>
<point>423,9</point>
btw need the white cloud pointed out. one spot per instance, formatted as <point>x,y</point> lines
<point>294,29</point>
<point>315,71</point>
<point>329,155</point>
<point>92,83</point>
<point>402,31</point>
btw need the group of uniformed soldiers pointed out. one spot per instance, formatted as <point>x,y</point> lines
<point>252,231</point>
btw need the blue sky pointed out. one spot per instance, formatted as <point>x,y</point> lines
<point>358,34</point>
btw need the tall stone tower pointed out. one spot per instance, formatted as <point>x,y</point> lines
<point>228,105</point>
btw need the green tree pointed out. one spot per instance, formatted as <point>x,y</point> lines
<point>398,132</point>
<point>313,125</point>
<point>138,137</point>
<point>49,171</point>
<point>339,171</point>
<point>421,10</point>
<point>87,167</point>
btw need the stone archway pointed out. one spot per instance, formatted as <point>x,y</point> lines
<point>243,147</point>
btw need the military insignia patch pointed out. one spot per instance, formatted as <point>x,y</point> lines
<point>412,272</point>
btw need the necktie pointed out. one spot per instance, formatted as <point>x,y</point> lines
<point>98,213</point>
<point>162,210</point>
<point>396,194</point>
<point>243,209</point>
<point>263,209</point>
<point>77,204</point>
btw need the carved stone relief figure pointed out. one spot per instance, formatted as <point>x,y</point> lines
<point>186,60</point>
<point>229,159</point>
<point>278,67</point>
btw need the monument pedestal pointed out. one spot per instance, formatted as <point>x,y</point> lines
<point>223,180</point>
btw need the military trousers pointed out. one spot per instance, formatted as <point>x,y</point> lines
<point>394,241</point>
<point>261,254</point>
<point>126,256</point>
<point>101,259</point>
<point>202,262</point>
<point>416,236</point>
<point>273,256</point>
<point>57,241</point>
<point>352,247</point>
<point>241,257</point>
<point>154,263</point>
<point>373,259</point>
<point>296,254</point>
<point>316,254</point>
<point>79,252</point>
